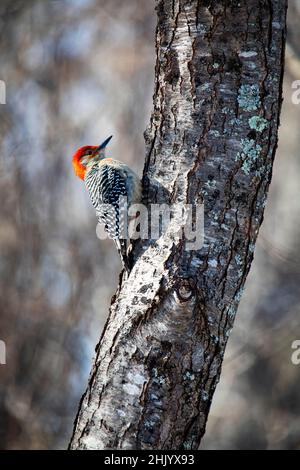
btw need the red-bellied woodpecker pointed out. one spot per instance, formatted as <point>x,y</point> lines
<point>112,186</point>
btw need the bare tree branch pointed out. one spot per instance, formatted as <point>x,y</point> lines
<point>212,140</point>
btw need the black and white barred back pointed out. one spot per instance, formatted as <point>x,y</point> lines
<point>106,185</point>
<point>107,181</point>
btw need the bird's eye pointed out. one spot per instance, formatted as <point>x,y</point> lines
<point>89,152</point>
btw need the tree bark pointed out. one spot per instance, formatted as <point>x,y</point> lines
<point>212,139</point>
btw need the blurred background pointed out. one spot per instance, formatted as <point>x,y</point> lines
<point>77,71</point>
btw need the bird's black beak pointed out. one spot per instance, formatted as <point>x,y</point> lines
<point>104,144</point>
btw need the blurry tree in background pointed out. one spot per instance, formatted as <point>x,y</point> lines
<point>75,72</point>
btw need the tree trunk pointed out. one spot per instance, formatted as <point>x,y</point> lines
<point>212,140</point>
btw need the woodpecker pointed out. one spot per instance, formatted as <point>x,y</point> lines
<point>108,182</point>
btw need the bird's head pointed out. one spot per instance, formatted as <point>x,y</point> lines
<point>86,156</point>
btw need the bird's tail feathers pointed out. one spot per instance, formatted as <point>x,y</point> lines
<point>122,247</point>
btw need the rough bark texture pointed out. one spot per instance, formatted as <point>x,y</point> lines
<point>212,139</point>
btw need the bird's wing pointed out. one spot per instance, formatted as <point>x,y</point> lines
<point>106,186</point>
